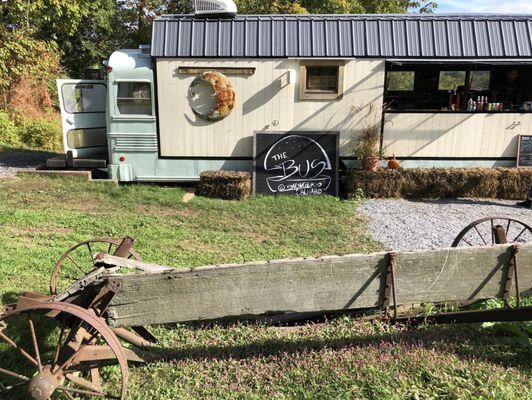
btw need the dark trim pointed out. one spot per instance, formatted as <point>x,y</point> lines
<point>209,158</point>
<point>155,91</point>
<point>498,61</point>
<point>383,111</point>
<point>392,111</point>
<point>446,158</point>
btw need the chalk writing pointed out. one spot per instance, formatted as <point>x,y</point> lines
<point>298,164</point>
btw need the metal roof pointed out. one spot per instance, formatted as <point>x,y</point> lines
<point>344,36</point>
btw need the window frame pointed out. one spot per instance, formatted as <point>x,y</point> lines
<point>86,129</point>
<point>305,94</point>
<point>83,112</point>
<point>118,115</point>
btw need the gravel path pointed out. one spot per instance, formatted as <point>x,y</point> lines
<point>13,161</point>
<point>413,225</point>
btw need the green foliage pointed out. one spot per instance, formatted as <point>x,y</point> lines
<point>24,56</point>
<point>8,131</point>
<point>400,80</point>
<point>82,28</point>
<point>450,80</point>
<point>332,6</point>
<point>134,18</point>
<point>41,133</point>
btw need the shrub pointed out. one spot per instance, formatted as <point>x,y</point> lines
<point>229,185</point>
<point>41,133</point>
<point>8,131</point>
<point>504,183</point>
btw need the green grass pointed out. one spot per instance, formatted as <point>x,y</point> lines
<point>343,358</point>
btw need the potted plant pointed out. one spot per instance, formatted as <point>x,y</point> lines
<point>368,139</point>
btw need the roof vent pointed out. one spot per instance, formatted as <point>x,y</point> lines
<point>215,8</point>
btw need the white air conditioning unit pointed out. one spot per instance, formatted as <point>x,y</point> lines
<point>215,8</point>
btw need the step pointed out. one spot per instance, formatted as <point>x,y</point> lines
<point>90,163</point>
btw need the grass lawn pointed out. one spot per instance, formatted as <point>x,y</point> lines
<point>343,358</point>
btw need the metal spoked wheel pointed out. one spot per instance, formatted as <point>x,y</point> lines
<point>78,261</point>
<point>483,232</point>
<point>59,351</point>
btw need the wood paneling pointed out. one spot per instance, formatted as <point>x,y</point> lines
<point>267,97</point>
<point>454,135</point>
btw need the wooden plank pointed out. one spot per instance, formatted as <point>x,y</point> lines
<point>226,71</point>
<point>311,285</point>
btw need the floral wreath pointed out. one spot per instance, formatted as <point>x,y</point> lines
<point>223,91</point>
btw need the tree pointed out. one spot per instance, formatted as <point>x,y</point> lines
<point>333,6</point>
<point>81,28</point>
<point>135,18</point>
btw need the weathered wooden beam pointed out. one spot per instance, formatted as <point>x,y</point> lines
<point>227,71</point>
<point>315,284</point>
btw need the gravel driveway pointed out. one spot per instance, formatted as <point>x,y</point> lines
<point>413,225</point>
<point>13,161</point>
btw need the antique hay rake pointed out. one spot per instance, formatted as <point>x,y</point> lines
<point>77,341</point>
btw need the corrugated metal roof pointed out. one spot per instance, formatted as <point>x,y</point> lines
<point>344,36</point>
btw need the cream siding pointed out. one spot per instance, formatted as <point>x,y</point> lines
<point>454,135</point>
<point>263,99</point>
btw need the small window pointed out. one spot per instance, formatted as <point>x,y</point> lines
<point>321,81</point>
<point>450,80</point>
<point>480,80</point>
<point>88,137</point>
<point>401,81</point>
<point>134,98</point>
<point>84,97</point>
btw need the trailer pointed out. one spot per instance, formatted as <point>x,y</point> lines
<point>77,341</point>
<point>446,90</point>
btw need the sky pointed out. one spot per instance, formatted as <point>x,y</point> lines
<point>485,6</point>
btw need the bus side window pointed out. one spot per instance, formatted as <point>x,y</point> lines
<point>134,98</point>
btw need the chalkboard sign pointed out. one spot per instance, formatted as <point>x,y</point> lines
<point>524,151</point>
<point>295,163</point>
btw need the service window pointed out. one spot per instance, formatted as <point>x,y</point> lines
<point>401,81</point>
<point>84,97</point>
<point>451,80</point>
<point>321,81</point>
<point>134,98</point>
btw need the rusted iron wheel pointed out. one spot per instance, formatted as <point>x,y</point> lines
<point>59,351</point>
<point>481,232</point>
<point>78,261</point>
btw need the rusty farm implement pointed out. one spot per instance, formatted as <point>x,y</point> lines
<point>76,342</point>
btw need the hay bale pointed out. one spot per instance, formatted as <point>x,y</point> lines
<point>514,183</point>
<point>383,184</point>
<point>227,185</point>
<point>437,183</point>
<point>479,182</point>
